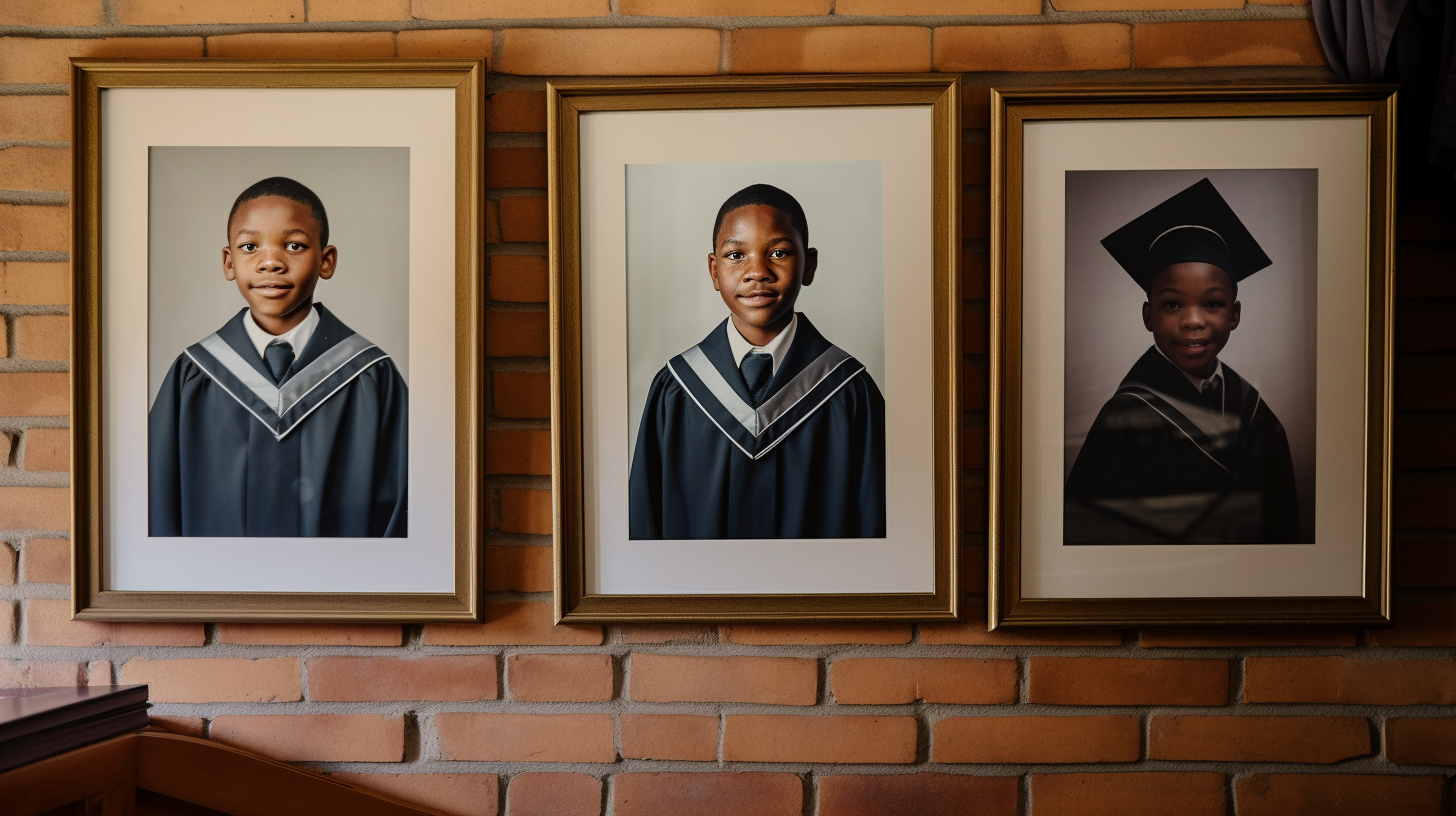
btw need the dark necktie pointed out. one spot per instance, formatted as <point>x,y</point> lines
<point>757,371</point>
<point>278,356</point>
<point>1212,393</point>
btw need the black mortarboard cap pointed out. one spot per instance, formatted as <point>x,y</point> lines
<point>1194,225</point>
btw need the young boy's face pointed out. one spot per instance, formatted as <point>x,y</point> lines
<point>275,257</point>
<point>1190,311</point>
<point>758,264</point>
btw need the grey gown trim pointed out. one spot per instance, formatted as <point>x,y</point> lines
<point>775,407</point>
<point>1218,433</point>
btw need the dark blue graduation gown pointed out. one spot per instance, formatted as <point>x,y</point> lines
<point>1159,466</point>
<point>809,462</point>
<point>225,462</point>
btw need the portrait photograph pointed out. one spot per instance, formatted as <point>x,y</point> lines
<point>754,312</point>
<point>1190,312</point>
<point>277,369</point>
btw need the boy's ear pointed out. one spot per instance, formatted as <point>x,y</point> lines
<point>811,263</point>
<point>227,264</point>
<point>1235,313</point>
<point>1148,315</point>
<point>713,271</point>
<point>329,260</point>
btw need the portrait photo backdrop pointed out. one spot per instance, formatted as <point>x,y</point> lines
<point>1274,347</point>
<point>671,303</point>
<point>365,191</point>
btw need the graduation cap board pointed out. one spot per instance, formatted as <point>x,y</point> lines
<point>1196,225</point>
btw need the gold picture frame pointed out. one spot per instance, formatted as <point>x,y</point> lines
<point>330,105</point>
<point>1048,148</point>
<point>597,133</point>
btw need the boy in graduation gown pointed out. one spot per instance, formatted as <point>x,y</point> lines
<point>1185,451</point>
<point>765,429</point>
<point>285,422</point>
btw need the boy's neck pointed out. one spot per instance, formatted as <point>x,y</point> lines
<point>283,324</point>
<point>761,335</point>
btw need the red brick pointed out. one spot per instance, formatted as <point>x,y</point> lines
<point>975,276</point>
<point>512,623</point>
<point>523,218</point>
<point>526,511</point>
<point>1118,681</point>
<point>554,794</point>
<point>1128,794</point>
<point>1422,564</point>
<point>821,634</point>
<point>310,634</point>
<point>1036,740</point>
<point>35,168</point>
<point>99,673</point>
<point>522,394</point>
<point>1337,795</point>
<point>935,8</point>
<point>658,678</point>
<point>973,633</point>
<point>506,9</point>
<point>1055,47</point>
<point>1258,739</point>
<point>32,394</point>
<point>518,569</point>
<point>217,679</point>
<point>8,566</point>
<point>310,45</point>
<point>1246,636</point>
<point>1418,624</point>
<point>52,13</point>
<point>1426,444</point>
<point>451,794</point>
<point>975,214</point>
<point>843,49</point>
<point>48,623</point>
<point>515,167</point>
<point>975,106</point>
<point>1144,5</point>
<point>32,674</point>
<point>436,677</point>
<point>516,112</point>
<point>576,678</point>
<point>526,737</point>
<point>342,11</point>
<point>48,449</point>
<point>1242,42</point>
<point>492,221</point>
<point>1423,387</point>
<point>186,726</point>
<point>923,794</point>
<point>1349,681</point>
<point>665,633</point>
<point>707,794</point>
<point>976,163</point>
<point>25,60</point>
<point>975,332</point>
<point>521,451</point>
<point>517,334</point>
<point>33,284</point>
<point>467,43</point>
<point>1424,504</point>
<point>793,738</point>
<point>935,680</point>
<point>1421,740</point>
<point>692,737</point>
<point>720,8</point>
<point>1419,327</point>
<point>8,624</point>
<point>1422,268</point>
<point>199,12</point>
<point>31,228</point>
<point>609,51</point>
<point>518,278</point>
<point>43,337</point>
<point>314,737</point>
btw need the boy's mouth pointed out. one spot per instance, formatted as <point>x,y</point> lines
<point>273,289</point>
<point>758,299</point>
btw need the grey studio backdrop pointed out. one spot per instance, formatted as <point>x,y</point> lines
<point>365,191</point>
<point>1273,347</point>
<point>671,303</point>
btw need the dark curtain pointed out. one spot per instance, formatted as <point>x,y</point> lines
<point>1410,42</point>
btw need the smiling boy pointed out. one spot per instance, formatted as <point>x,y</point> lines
<point>285,422</point>
<point>1185,451</point>
<point>765,429</point>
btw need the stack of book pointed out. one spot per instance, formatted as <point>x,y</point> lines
<point>41,722</point>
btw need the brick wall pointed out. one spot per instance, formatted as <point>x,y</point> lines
<point>520,717</point>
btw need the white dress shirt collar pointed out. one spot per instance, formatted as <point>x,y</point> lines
<point>1198,382</point>
<point>298,336</point>
<point>778,347</point>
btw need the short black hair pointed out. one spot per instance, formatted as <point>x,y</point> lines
<point>765,195</point>
<point>284,187</point>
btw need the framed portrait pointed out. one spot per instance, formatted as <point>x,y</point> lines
<point>276,363</point>
<point>755,348</point>
<point>1191,355</point>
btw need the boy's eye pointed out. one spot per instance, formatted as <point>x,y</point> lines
<point>778,253</point>
<point>294,246</point>
<point>735,255</point>
<point>248,247</point>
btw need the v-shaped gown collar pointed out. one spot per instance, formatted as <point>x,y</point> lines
<point>334,356</point>
<point>1221,437</point>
